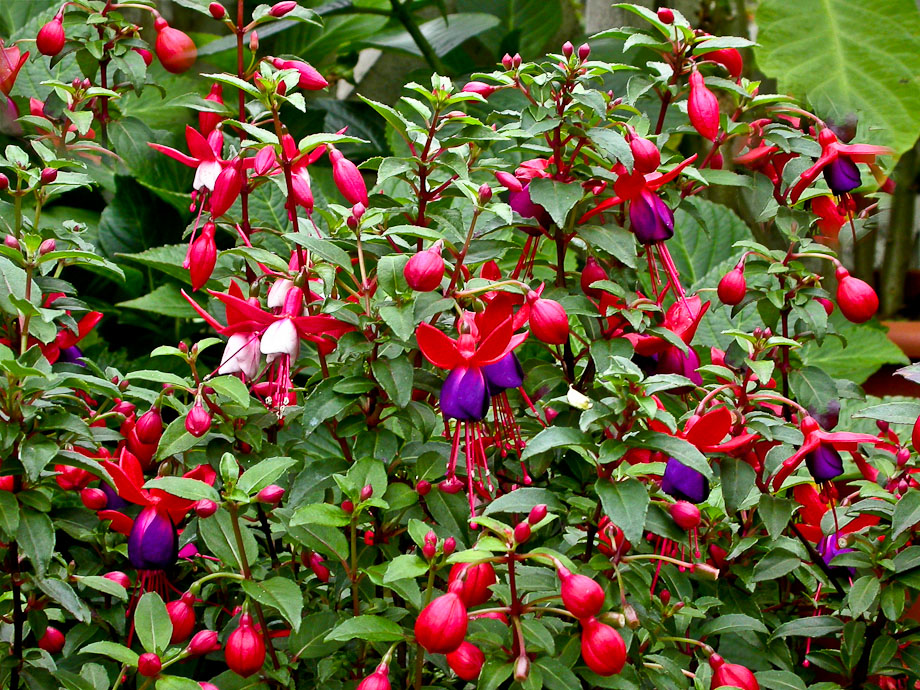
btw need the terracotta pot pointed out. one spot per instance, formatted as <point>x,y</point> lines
<point>906,335</point>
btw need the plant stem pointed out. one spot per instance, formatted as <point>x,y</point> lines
<point>13,569</point>
<point>405,18</point>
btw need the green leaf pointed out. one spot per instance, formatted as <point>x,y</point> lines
<point>281,594</point>
<point>405,566</point>
<point>894,412</point>
<point>865,351</point>
<point>732,623</point>
<point>183,487</point>
<point>177,683</point>
<point>231,387</point>
<point>704,233</point>
<point>779,680</point>
<point>320,514</point>
<point>370,628</point>
<point>401,319</point>
<point>36,538</point>
<point>813,626</point>
<point>230,80</point>
<point>152,623</point>
<point>166,300</point>
<point>681,450</point>
<point>218,536</point>
<point>613,144</point>
<point>775,513</point>
<point>906,513</point>
<point>521,500</point>
<point>35,454</point>
<point>775,564</point>
<point>104,585</point>
<point>832,52</point>
<point>626,504</point>
<point>263,473</point>
<point>813,388</point>
<point>396,376</point>
<point>738,479</point>
<point>112,650</point>
<point>556,675</point>
<point>557,198</point>
<point>9,514</point>
<point>324,248</point>
<point>63,594</point>
<point>443,33</point>
<point>862,594</point>
<point>556,437</point>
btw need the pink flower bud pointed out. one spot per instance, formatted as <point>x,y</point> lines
<point>423,486</point>
<point>118,578</point>
<point>4,182</point>
<point>581,596</point>
<point>516,60</point>
<point>729,58</point>
<point>52,641</point>
<point>347,178</point>
<point>48,175</point>
<point>591,273</point>
<point>145,54</point>
<point>602,648</point>
<point>149,664</point>
<point>537,513</point>
<point>441,626</point>
<point>466,661</point>
<point>476,581</point>
<point>265,160</point>
<point>733,286</point>
<point>731,675</point>
<point>521,668</point>
<point>584,50</point>
<point>665,15</point>
<point>198,420</point>
<point>685,515</point>
<point>366,492</point>
<point>50,39</point>
<point>46,247</point>
<point>378,680</point>
<point>279,9</point>
<point>548,320</point>
<point>506,61</point>
<point>425,270</point>
<point>310,79</point>
<point>431,537</point>
<point>646,156</point>
<point>478,87</point>
<point>202,257</point>
<point>94,499</point>
<point>245,650</point>
<point>429,550</point>
<point>182,616</point>
<point>450,545</point>
<point>254,48</point>
<point>217,10</point>
<point>149,426</point>
<point>316,565</point>
<point>521,532</point>
<point>175,50</point>
<point>204,642</point>
<point>485,193</point>
<point>207,122</point>
<point>568,49</point>
<point>509,181</point>
<point>858,301</point>
<point>703,107</point>
<point>271,494</point>
<point>205,508</point>
<point>207,686</point>
<point>11,242</point>
<point>348,506</point>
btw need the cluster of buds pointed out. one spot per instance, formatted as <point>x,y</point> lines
<point>430,547</point>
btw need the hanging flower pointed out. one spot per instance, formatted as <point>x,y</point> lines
<point>838,163</point>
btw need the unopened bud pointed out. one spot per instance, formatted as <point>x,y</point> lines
<point>422,486</point>
<point>521,532</point>
<point>4,182</point>
<point>450,545</point>
<point>217,10</point>
<point>46,247</point>
<point>506,61</point>
<point>537,513</point>
<point>254,42</point>
<point>271,494</point>
<point>48,175</point>
<point>632,618</point>
<point>706,571</point>
<point>516,62</point>
<point>568,49</point>
<point>429,550</point>
<point>279,9</point>
<point>665,15</point>
<point>11,242</point>
<point>902,457</point>
<point>203,642</point>
<point>521,669</point>
<point>205,508</point>
<point>665,596</point>
<point>367,492</point>
<point>584,50</point>
<point>485,193</point>
<point>348,506</point>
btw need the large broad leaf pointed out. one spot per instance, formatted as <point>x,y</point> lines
<point>526,25</point>
<point>704,233</point>
<point>444,34</point>
<point>866,350</point>
<point>847,56</point>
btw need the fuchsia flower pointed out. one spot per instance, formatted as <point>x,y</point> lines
<point>207,121</point>
<point>205,156</point>
<point>11,61</point>
<point>838,162</point>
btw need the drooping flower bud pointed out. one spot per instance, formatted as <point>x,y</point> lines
<point>271,494</point>
<point>915,435</point>
<point>827,304</point>
<point>149,426</point>
<point>521,668</point>
<point>254,48</point>
<point>581,596</point>
<point>856,298</point>
<point>94,499</point>
<point>217,10</point>
<point>279,9</point>
<point>245,650</point>
<point>646,156</point>
<point>703,107</point>
<point>731,675</point>
<point>602,648</point>
<point>198,420</point>
<point>52,641</point>
<point>182,616</point>
<point>650,218</point>
<point>227,189</point>
<point>466,661</point>
<point>476,581</point>
<point>205,508</point>
<point>316,565</point>
<point>548,320</point>
<point>685,515</point>
<point>425,269</point>
<point>149,664</point>
<point>50,39</point>
<point>479,87</point>
<point>733,286</point>
<point>118,578</point>
<point>347,178</point>
<point>145,54</point>
<point>208,121</point>
<point>47,246</point>
<point>153,543</point>
<point>441,626</point>
<point>264,161</point>
<point>665,15</point>
<point>591,273</point>
<point>204,642</point>
<point>485,193</point>
<point>522,532</point>
<point>378,680</point>
<point>310,79</point>
<point>175,50</point>
<point>537,513</point>
<point>730,59</point>
<point>509,181</point>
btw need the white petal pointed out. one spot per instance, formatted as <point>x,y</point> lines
<point>281,338</point>
<point>277,293</point>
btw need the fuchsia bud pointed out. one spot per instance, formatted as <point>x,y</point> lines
<point>521,668</point>
<point>254,48</point>
<point>378,680</point>
<point>476,581</point>
<point>479,87</point>
<point>348,506</point>
<point>149,664</point>
<point>198,420</point>
<point>733,286</point>
<point>149,426</point>
<point>50,39</point>
<point>207,686</point>
<point>646,156</point>
<point>450,545</point>
<point>94,499</point>
<point>516,60</point>
<point>537,513</point>
<point>279,9</point>
<point>4,183</point>
<point>182,616</point>
<point>145,54</point>
<point>568,49</point>
<point>729,58</point>
<point>366,492</point>
<point>591,273</point>
<point>347,178</point>
<point>429,550</point>
<point>506,61</point>
<point>205,508</point>
<point>509,181</point>
<point>264,160</point>
<point>207,121</point>
<point>423,487</point>
<point>602,648</point>
<point>316,565</point>
<point>581,596</point>
<point>856,298</point>
<point>245,650</point>
<point>466,661</point>
<point>584,50</point>
<point>217,10</point>
<point>685,515</point>
<point>827,304</point>
<point>48,175</point>
<point>46,247</point>
<point>521,532</point>
<point>548,320</point>
<point>271,494</point>
<point>703,107</point>
<point>175,50</point>
<point>441,626</point>
<point>665,15</point>
<point>202,257</point>
<point>731,675</point>
<point>310,79</point>
<point>118,578</point>
<point>425,269</point>
<point>11,242</point>
<point>52,641</point>
<point>204,642</point>
<point>485,193</point>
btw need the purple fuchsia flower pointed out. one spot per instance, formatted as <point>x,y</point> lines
<point>650,218</point>
<point>675,361</point>
<point>153,543</point>
<point>684,483</point>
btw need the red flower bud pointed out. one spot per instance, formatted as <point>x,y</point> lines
<point>279,9</point>
<point>348,506</point>
<point>94,499</point>
<point>425,269</point>
<point>227,188</point>
<point>175,50</point>
<point>856,298</point>
<point>50,39</point>
<point>145,54</point>
<point>441,626</point>
<point>182,616</point>
<point>581,596</point>
<point>207,686</point>
<point>591,273</point>
<point>207,122</point>
<point>521,532</point>
<point>378,680</point>
<point>568,49</point>
<point>47,246</point>
<point>245,650</point>
<point>149,426</point>
<point>827,304</point>
<point>478,87</point>
<point>48,175</point>
<point>509,181</point>
<point>506,61</point>
<point>731,675</point>
<point>602,648</point>
<point>204,642</point>
<point>205,508</point>
<point>310,79</point>
<point>646,156</point>
<point>423,486</point>
<point>466,661</point>
<point>450,545</point>
<point>271,494</point>
<point>915,435</point>
<point>521,668</point>
<point>548,320</point>
<point>4,183</point>
<point>703,107</point>
<point>537,513</point>
<point>265,160</point>
<point>198,420</point>
<point>665,15</point>
<point>254,48</point>
<point>485,193</point>
<point>685,515</point>
<point>11,242</point>
<point>366,492</point>
<point>429,550</point>
<point>729,58</point>
<point>476,580</point>
<point>733,286</point>
<point>149,664</point>
<point>316,565</point>
<point>118,578</point>
<point>347,178</point>
<point>52,641</point>
<point>202,257</point>
<point>217,10</point>
<point>584,50</point>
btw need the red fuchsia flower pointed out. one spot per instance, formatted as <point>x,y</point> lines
<point>768,160</point>
<point>838,162</point>
<point>548,321</point>
<point>831,217</point>
<point>182,615</point>
<point>602,648</point>
<point>175,50</point>
<point>11,61</point>
<point>703,107</point>
<point>52,641</point>
<point>731,675</point>
<point>466,661</point>
<point>581,596</point>
<point>347,178</point>
<point>71,478</point>
<point>858,301</point>
<point>50,39</point>
<point>205,156</point>
<point>64,346</point>
<point>201,256</point>
<point>441,626</point>
<point>729,58</point>
<point>208,121</point>
<point>425,269</point>
<point>310,78</point>
<point>245,649</point>
<point>475,582</point>
<point>814,506</point>
<point>227,188</point>
<point>820,451</point>
<point>378,680</point>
